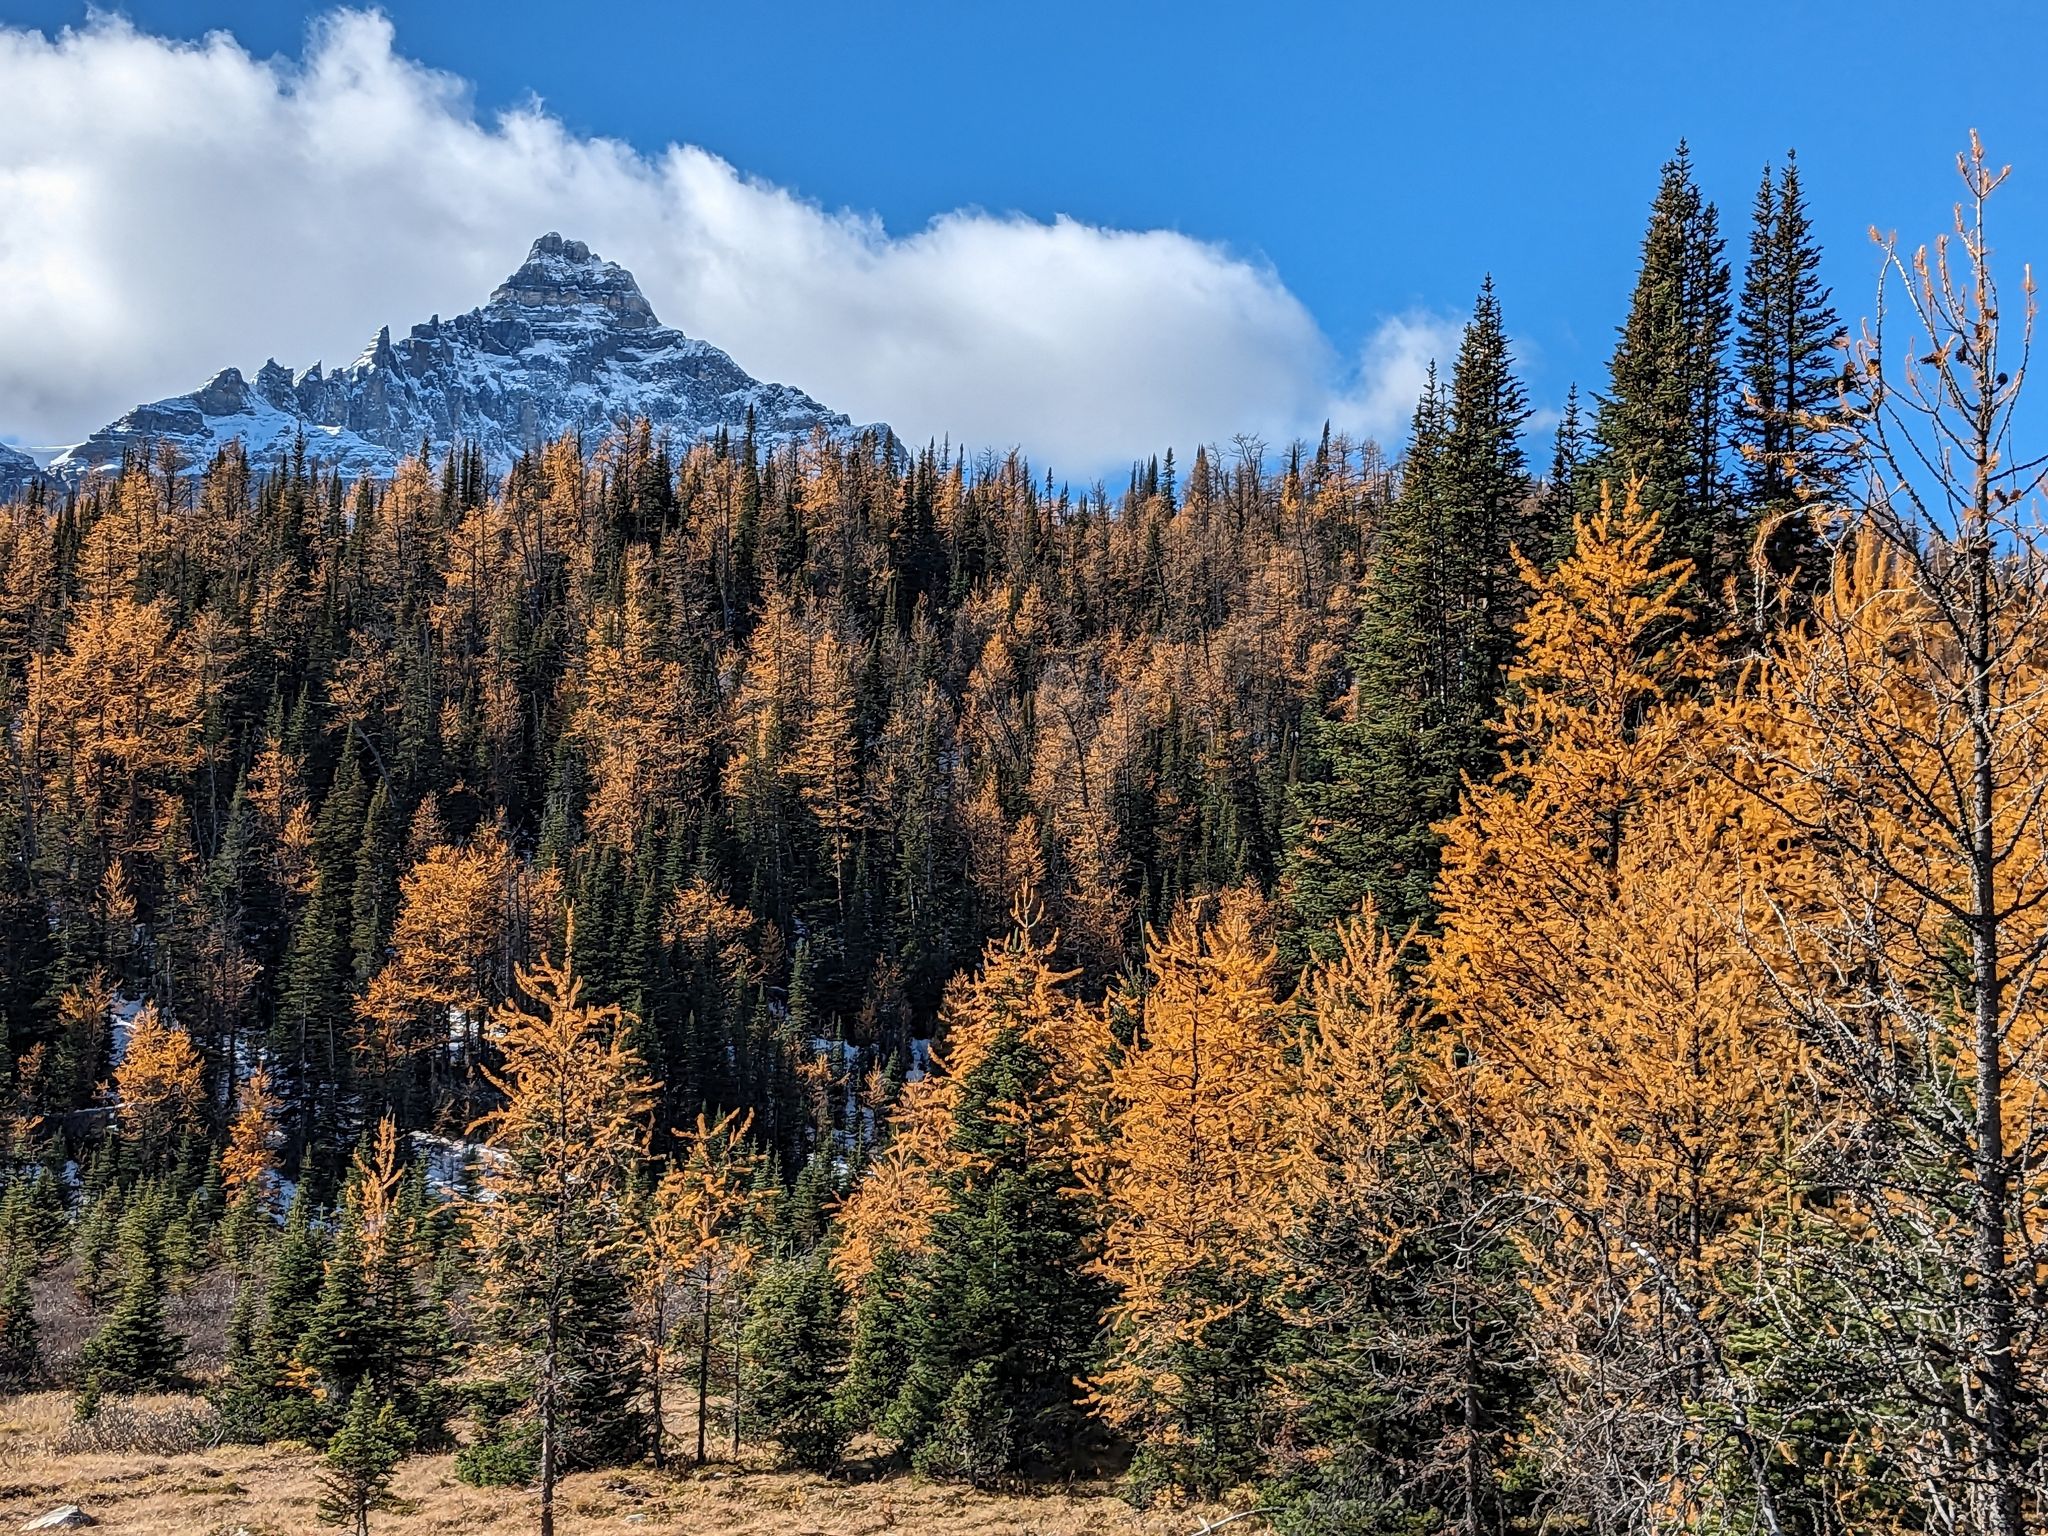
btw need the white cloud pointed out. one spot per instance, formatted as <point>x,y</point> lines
<point>167,208</point>
<point>1393,366</point>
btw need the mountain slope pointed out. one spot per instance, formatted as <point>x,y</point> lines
<point>566,343</point>
<point>17,472</point>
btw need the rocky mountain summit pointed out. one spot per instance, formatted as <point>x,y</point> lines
<point>566,343</point>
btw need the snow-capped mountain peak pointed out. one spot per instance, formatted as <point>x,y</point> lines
<point>562,278</point>
<point>567,343</point>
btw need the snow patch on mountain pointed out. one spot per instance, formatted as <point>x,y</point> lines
<point>567,343</point>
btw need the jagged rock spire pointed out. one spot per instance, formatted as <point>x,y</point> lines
<point>563,274</point>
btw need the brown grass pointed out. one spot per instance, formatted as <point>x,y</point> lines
<point>270,1491</point>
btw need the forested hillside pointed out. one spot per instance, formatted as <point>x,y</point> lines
<point>1468,988</point>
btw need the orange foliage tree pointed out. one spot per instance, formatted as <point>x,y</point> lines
<point>251,1154</point>
<point>449,953</point>
<point>690,1256</point>
<point>570,1134</point>
<point>158,1084</point>
<point>1627,1057</point>
<point>1195,1186</point>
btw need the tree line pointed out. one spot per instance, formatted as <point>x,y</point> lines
<point>1403,993</point>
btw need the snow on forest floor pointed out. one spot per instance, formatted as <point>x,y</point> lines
<point>271,1491</point>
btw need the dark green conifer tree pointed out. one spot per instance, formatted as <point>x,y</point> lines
<point>1787,348</point>
<point>880,1352</point>
<point>134,1349</point>
<point>1564,491</point>
<point>21,1360</point>
<point>802,1214</point>
<point>292,1293</point>
<point>794,1349</point>
<point>1003,1317</point>
<point>356,1475</point>
<point>373,902</point>
<point>342,1339</point>
<point>1360,823</point>
<point>242,1395</point>
<point>95,1237</point>
<point>1429,658</point>
<point>1490,512</point>
<point>313,1007</point>
<point>412,1368</point>
<point>604,1422</point>
<point>1664,416</point>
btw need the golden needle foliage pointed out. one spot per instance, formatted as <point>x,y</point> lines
<point>1202,1154</point>
<point>158,1081</point>
<point>1627,1059</point>
<point>1020,991</point>
<point>250,1154</point>
<point>568,1137</point>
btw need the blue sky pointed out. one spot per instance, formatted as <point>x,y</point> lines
<point>1379,158</point>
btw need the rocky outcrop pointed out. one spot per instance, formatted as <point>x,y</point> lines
<point>567,343</point>
<point>17,472</point>
<point>65,1517</point>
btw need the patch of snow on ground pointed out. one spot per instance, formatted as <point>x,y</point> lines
<point>451,1162</point>
<point>121,1018</point>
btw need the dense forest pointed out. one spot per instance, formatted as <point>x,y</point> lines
<point>1407,992</point>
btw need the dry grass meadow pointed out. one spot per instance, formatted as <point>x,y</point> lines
<point>133,1473</point>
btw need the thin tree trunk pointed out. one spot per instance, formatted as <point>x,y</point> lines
<point>704,1369</point>
<point>660,1417</point>
<point>1996,1366</point>
<point>547,1426</point>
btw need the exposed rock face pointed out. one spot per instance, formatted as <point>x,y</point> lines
<point>567,343</point>
<point>17,472</point>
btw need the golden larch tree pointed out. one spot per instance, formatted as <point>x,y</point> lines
<point>251,1152</point>
<point>1196,1195</point>
<point>569,1136</point>
<point>1626,1057</point>
<point>690,1255</point>
<point>157,1084</point>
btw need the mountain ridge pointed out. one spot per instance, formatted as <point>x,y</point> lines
<point>567,343</point>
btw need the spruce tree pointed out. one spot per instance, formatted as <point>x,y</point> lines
<point>413,1360</point>
<point>355,1477</point>
<point>242,1396</point>
<point>1787,343</point>
<point>291,1411</point>
<point>604,1422</point>
<point>1664,416</point>
<point>1562,487</point>
<point>21,1360</point>
<point>313,1008</point>
<point>342,1339</point>
<point>295,1277</point>
<point>374,899</point>
<point>1003,1316</point>
<point>135,1349</point>
<point>32,1218</point>
<point>881,1349</point>
<point>1485,490</point>
<point>1429,657</point>
<point>1361,815</point>
<point>793,1346</point>
<point>94,1239</point>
